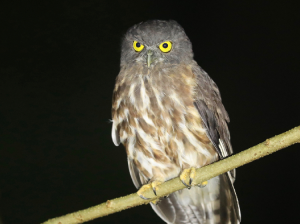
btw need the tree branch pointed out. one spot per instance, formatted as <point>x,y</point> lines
<point>205,173</point>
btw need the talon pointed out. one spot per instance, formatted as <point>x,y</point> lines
<point>188,187</point>
<point>142,197</point>
<point>142,190</point>
<point>154,191</point>
<point>192,174</point>
<point>153,186</point>
<point>187,176</point>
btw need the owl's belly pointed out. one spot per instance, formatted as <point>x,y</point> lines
<point>157,122</point>
<point>163,144</point>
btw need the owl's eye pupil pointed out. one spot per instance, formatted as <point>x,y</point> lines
<point>165,45</point>
<point>138,44</point>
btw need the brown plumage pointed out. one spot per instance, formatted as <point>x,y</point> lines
<point>169,116</point>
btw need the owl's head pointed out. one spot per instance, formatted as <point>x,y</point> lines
<point>156,42</point>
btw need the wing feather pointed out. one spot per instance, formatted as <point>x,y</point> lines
<point>209,104</point>
<point>134,173</point>
<point>115,135</point>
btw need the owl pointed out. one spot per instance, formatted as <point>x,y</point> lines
<point>169,115</point>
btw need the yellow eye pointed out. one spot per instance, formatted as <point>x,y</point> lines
<point>165,46</point>
<point>137,46</point>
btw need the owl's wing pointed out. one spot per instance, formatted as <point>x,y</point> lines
<point>212,111</point>
<point>215,118</point>
<point>115,135</point>
<point>134,173</point>
<point>209,105</point>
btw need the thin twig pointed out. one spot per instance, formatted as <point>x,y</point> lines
<point>205,173</point>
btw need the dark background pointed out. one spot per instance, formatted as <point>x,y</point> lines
<point>59,61</point>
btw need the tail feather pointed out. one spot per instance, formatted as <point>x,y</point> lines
<point>213,204</point>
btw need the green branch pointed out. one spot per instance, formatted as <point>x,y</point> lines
<point>205,173</point>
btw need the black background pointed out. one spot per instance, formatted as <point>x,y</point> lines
<point>58,65</point>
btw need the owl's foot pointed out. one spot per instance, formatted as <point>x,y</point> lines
<point>153,185</point>
<point>187,176</point>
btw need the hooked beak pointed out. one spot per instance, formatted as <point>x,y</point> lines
<point>150,58</point>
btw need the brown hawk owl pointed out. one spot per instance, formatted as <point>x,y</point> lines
<point>168,114</point>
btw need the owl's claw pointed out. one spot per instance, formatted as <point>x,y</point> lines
<point>153,185</point>
<point>187,176</point>
<point>142,197</point>
<point>154,191</point>
<point>188,186</point>
<point>191,181</point>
